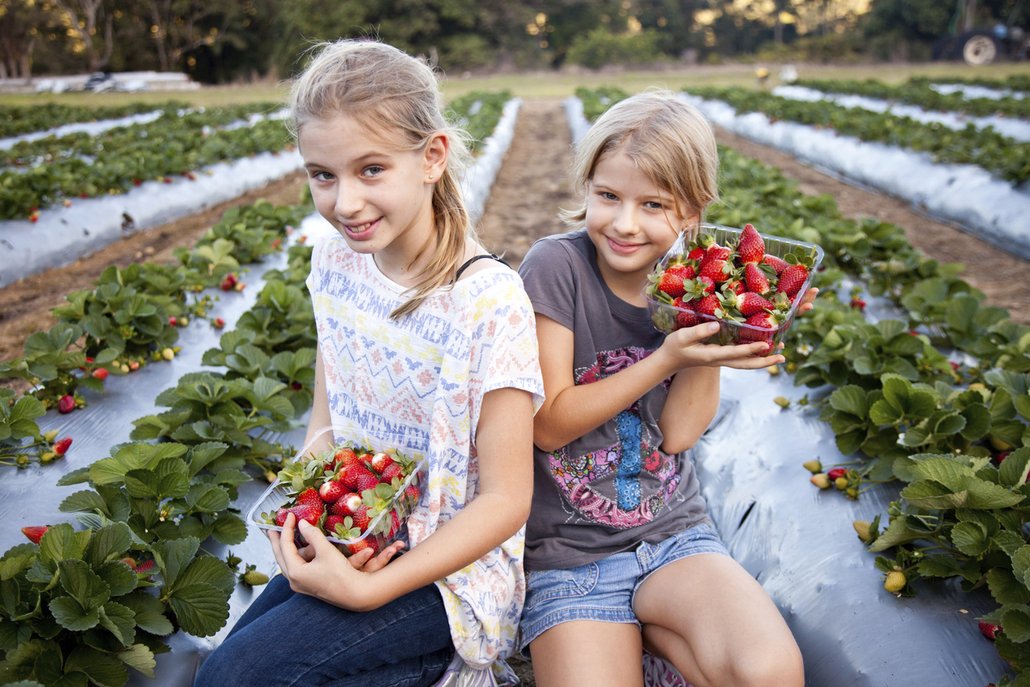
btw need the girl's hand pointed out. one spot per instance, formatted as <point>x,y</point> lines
<point>808,300</point>
<point>687,348</point>
<point>365,560</point>
<point>325,574</point>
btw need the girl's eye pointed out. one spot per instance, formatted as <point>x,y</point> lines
<point>654,205</point>
<point>372,170</point>
<point>321,176</point>
<point>608,195</point>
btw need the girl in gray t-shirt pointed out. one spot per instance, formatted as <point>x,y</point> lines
<point>620,552</point>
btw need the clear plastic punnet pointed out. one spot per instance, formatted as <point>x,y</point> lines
<point>670,314</point>
<point>377,517</point>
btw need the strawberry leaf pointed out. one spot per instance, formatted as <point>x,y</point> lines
<point>119,621</point>
<point>200,608</point>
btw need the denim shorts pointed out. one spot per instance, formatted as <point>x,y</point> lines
<point>604,589</point>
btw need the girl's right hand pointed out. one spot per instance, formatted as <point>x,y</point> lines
<point>687,348</point>
<point>368,561</point>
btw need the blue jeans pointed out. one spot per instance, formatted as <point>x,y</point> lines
<point>286,638</point>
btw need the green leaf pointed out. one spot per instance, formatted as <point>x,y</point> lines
<point>850,399</point>
<point>883,413</point>
<point>210,570</point>
<point>1016,621</point>
<point>118,576</point>
<point>201,609</point>
<point>901,530</point>
<point>61,542</point>
<point>70,614</point>
<point>229,529</point>
<point>109,542</point>
<point>172,556</point>
<point>139,657</point>
<point>943,469</point>
<point>970,538</point>
<point>119,621</point>
<point>82,584</point>
<point>208,498</point>
<point>87,501</point>
<point>149,612</point>
<point>1005,588</point>
<point>1013,472</point>
<point>134,456</point>
<point>103,669</point>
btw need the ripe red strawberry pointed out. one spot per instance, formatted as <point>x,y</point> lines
<point>750,246</point>
<point>362,544</point>
<point>392,470</point>
<point>66,404</point>
<point>309,511</point>
<point>412,493</point>
<point>989,630</point>
<point>734,285</point>
<point>331,491</point>
<point>346,504</point>
<point>709,305</point>
<point>218,323</point>
<point>361,518</point>
<point>309,495</point>
<point>365,480</point>
<point>350,474</point>
<point>331,522</point>
<point>61,447</point>
<point>751,303</point>
<point>760,321</point>
<point>792,279</point>
<point>696,253</point>
<point>715,267</point>
<point>35,532</point>
<point>858,303</point>
<point>671,284</point>
<point>834,473</point>
<point>685,316</point>
<point>755,279</point>
<point>381,461</point>
<point>100,373</point>
<point>173,321</point>
<point>395,523</point>
<point>776,263</point>
<point>229,282</point>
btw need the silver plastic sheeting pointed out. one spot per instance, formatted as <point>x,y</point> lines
<point>799,544</point>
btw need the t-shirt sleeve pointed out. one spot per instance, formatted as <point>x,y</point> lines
<point>317,264</point>
<point>549,278</point>
<point>510,356</point>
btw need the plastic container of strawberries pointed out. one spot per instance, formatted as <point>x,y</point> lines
<point>664,315</point>
<point>380,531</point>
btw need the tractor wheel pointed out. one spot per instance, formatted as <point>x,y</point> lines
<point>979,49</point>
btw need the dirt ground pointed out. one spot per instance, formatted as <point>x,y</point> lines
<point>531,187</point>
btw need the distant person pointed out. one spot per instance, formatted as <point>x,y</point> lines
<point>425,344</point>
<point>621,556</point>
<point>788,74</point>
<point>762,74</point>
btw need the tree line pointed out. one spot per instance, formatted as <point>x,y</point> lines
<point>217,41</point>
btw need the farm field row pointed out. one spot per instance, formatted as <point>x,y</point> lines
<point>746,470</point>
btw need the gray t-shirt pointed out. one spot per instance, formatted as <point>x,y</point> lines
<point>614,487</point>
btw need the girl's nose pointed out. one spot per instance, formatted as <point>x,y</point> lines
<point>625,221</point>
<point>348,200</point>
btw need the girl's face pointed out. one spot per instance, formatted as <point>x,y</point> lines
<point>376,195</point>
<point>631,222</point>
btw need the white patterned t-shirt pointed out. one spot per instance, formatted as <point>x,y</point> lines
<point>416,384</point>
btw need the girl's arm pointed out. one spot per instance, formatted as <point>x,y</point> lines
<point>694,398</point>
<point>320,417</point>
<point>570,411</point>
<point>499,509</point>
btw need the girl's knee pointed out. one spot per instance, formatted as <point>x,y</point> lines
<point>779,666</point>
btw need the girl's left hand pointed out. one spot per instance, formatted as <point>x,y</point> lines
<point>808,300</point>
<point>322,570</point>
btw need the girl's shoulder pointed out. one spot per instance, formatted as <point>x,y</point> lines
<point>560,250</point>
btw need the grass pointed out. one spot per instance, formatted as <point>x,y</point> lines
<point>554,84</point>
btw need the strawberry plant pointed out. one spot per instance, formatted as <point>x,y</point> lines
<point>78,608</point>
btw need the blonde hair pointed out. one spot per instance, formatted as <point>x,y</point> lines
<point>392,92</point>
<point>668,139</point>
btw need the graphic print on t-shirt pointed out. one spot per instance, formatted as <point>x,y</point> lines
<point>625,484</point>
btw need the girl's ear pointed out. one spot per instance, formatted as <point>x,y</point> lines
<point>436,152</point>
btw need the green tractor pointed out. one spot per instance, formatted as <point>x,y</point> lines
<point>973,38</point>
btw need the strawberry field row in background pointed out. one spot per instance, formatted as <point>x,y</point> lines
<point>22,119</point>
<point>995,153</point>
<point>83,166</point>
<point>928,402</point>
<point>1013,82</point>
<point>1009,127</point>
<point>919,91</point>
